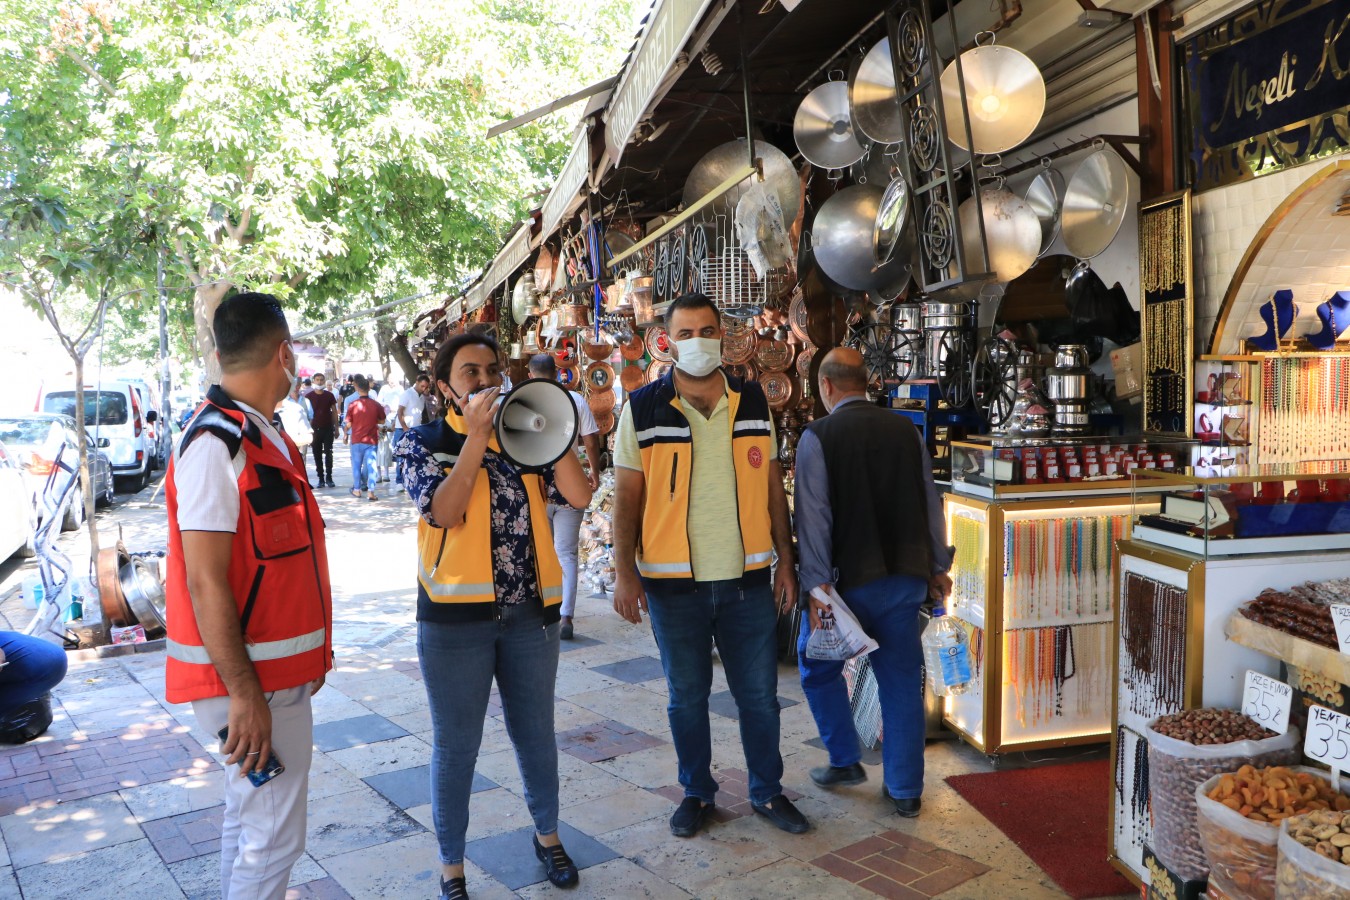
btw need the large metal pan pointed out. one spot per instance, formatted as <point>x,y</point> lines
<point>1045,196</point>
<point>892,220</point>
<point>841,237</point>
<point>1005,97</point>
<point>718,164</point>
<point>823,128</point>
<point>872,98</point>
<point>1095,204</point>
<point>1012,232</point>
<point>145,596</point>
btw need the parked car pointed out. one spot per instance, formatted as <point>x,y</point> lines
<point>34,440</point>
<point>18,522</point>
<point>160,440</point>
<point>115,414</point>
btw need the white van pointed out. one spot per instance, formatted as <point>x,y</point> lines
<point>115,416</point>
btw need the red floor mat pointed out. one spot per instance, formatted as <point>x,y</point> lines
<point>1057,815</point>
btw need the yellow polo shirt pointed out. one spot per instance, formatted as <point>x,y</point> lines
<point>715,547</point>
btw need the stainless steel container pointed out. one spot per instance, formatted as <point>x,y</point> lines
<point>1066,384</point>
<point>942,322</point>
<point>1071,356</point>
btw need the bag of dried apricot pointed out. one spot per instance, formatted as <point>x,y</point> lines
<point>1239,814</point>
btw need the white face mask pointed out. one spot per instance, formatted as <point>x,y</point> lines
<point>698,356</point>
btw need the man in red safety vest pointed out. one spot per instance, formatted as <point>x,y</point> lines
<point>250,609</point>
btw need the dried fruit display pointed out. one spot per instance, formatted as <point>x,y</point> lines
<point>1314,861</point>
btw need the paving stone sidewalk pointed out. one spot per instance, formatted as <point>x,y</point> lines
<point>124,792</point>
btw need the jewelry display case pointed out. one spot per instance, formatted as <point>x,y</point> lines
<point>1228,510</point>
<point>1032,585</point>
<point>1226,408</point>
<point>1171,652</point>
<point>1006,467</point>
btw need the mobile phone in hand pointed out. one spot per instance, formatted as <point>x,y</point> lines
<point>258,777</point>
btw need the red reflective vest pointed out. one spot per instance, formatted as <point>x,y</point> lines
<point>278,572</point>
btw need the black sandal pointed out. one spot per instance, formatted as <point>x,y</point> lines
<point>454,889</point>
<point>557,865</point>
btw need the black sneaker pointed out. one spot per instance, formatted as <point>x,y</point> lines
<point>782,813</point>
<point>839,776</point>
<point>557,865</point>
<point>689,817</point>
<point>454,889</point>
<point>567,632</point>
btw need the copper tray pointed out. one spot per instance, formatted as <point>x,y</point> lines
<point>598,352</point>
<point>743,371</point>
<point>605,422</point>
<point>658,343</point>
<point>657,368</point>
<point>739,346</point>
<point>565,353</point>
<point>634,349</point>
<point>600,402</point>
<point>599,377</point>
<point>797,317</point>
<point>570,378</point>
<point>804,358</point>
<point>773,356</point>
<point>778,389</point>
<point>632,377</point>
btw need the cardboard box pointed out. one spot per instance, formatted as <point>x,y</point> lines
<point>1165,884</point>
<point>1128,365</point>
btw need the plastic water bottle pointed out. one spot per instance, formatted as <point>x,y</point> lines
<point>33,592</point>
<point>946,655</point>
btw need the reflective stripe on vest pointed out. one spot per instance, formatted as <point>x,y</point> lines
<point>654,569</point>
<point>259,652</point>
<point>757,559</point>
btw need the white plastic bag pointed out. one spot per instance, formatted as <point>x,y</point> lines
<point>839,636</point>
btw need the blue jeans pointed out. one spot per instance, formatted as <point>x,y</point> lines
<point>398,463</point>
<point>566,524</point>
<point>35,667</point>
<point>888,610</point>
<point>363,466</point>
<point>459,662</point>
<point>744,621</point>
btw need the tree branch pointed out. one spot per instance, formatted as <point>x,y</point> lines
<point>89,70</point>
<point>182,254</point>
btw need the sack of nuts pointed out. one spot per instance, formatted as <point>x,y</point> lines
<point>1239,816</point>
<point>1314,859</point>
<point>1184,750</point>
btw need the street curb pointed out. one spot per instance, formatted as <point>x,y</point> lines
<point>109,651</point>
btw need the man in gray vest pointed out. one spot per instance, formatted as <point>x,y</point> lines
<point>869,522</point>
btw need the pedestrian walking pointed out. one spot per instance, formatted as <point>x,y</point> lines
<point>566,521</point>
<point>697,475</point>
<point>324,421</point>
<point>869,523</point>
<point>489,589</point>
<point>249,619</point>
<point>412,409</point>
<point>362,423</point>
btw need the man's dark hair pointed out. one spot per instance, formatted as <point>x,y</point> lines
<point>421,378</point>
<point>248,327</point>
<point>307,382</point>
<point>362,382</point>
<point>542,365</point>
<point>691,302</point>
<point>844,376</point>
<point>444,362</point>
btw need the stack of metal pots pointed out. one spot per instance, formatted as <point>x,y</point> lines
<point>909,323</point>
<point>1067,387</point>
<point>942,325</point>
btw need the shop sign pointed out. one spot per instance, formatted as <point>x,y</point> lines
<point>671,25</point>
<point>510,258</point>
<point>476,295</point>
<point>570,179</point>
<point>1328,739</point>
<point>1267,701</point>
<point>1268,89</point>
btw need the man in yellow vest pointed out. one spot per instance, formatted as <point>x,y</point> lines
<point>699,511</point>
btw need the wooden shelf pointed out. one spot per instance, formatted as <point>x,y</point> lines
<point>1295,651</point>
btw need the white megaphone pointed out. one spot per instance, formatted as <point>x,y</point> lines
<point>536,423</point>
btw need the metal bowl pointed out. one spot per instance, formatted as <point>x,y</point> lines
<point>841,237</point>
<point>145,596</point>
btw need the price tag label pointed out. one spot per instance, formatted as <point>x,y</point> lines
<point>1267,701</point>
<point>1328,739</point>
<point>1340,617</point>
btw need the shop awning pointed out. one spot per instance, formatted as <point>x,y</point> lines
<point>566,193</point>
<point>511,257</point>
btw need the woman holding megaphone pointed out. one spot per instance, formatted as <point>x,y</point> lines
<point>489,589</point>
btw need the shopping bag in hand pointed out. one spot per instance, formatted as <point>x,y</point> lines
<point>839,636</point>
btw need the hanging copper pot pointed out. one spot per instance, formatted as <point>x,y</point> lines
<point>634,350</point>
<point>632,378</point>
<point>600,402</point>
<point>574,315</point>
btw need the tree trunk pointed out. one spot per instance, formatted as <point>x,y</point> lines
<point>382,334</point>
<point>398,349</point>
<point>85,485</point>
<point>205,299</point>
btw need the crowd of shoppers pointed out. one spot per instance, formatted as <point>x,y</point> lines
<point>708,556</point>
